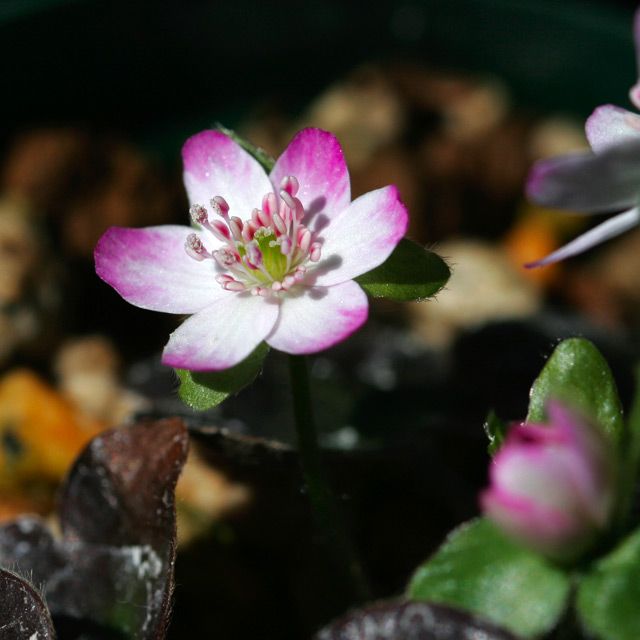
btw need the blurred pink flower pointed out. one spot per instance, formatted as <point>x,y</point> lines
<point>283,274</point>
<point>552,485</point>
<point>605,180</point>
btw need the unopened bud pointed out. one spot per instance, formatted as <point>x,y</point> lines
<point>553,485</point>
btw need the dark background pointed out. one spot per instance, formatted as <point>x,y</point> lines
<point>161,70</point>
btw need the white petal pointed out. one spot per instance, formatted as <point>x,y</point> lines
<point>361,238</point>
<point>316,159</point>
<point>609,229</point>
<point>602,182</point>
<point>150,269</point>
<point>317,318</point>
<point>222,335</point>
<point>215,165</point>
<point>609,125</point>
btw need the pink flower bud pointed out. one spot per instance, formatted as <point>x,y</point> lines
<point>552,485</point>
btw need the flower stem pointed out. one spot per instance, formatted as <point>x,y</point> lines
<point>327,513</point>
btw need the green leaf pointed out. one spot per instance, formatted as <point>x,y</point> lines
<point>496,431</point>
<point>409,273</point>
<point>258,153</point>
<point>608,600</point>
<point>203,390</point>
<point>479,569</point>
<point>577,373</point>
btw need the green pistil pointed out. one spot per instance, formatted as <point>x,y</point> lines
<point>272,259</point>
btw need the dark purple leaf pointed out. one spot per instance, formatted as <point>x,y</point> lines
<point>23,614</point>
<point>114,564</point>
<point>243,455</point>
<point>125,479</point>
<point>411,621</point>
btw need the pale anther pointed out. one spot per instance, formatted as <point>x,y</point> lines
<point>220,206</point>
<point>198,214</point>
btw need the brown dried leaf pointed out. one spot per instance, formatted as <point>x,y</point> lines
<point>23,614</point>
<point>114,565</point>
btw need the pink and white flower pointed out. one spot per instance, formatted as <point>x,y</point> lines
<point>604,181</point>
<point>552,485</point>
<point>273,258</point>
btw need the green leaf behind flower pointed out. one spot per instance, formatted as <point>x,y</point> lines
<point>577,373</point>
<point>479,569</point>
<point>410,273</point>
<point>204,390</point>
<point>608,600</point>
<point>258,153</point>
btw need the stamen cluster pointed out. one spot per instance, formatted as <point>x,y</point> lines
<point>266,253</point>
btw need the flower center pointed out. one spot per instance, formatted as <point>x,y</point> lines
<point>266,253</point>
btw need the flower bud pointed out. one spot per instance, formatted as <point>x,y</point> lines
<point>552,485</point>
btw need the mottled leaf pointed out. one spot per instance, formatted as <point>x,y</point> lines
<point>479,569</point>
<point>235,451</point>
<point>410,273</point>
<point>204,390</point>
<point>114,565</point>
<point>608,596</point>
<point>124,480</point>
<point>411,621</point>
<point>23,614</point>
<point>577,373</point>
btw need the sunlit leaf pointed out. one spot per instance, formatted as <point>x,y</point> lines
<point>410,273</point>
